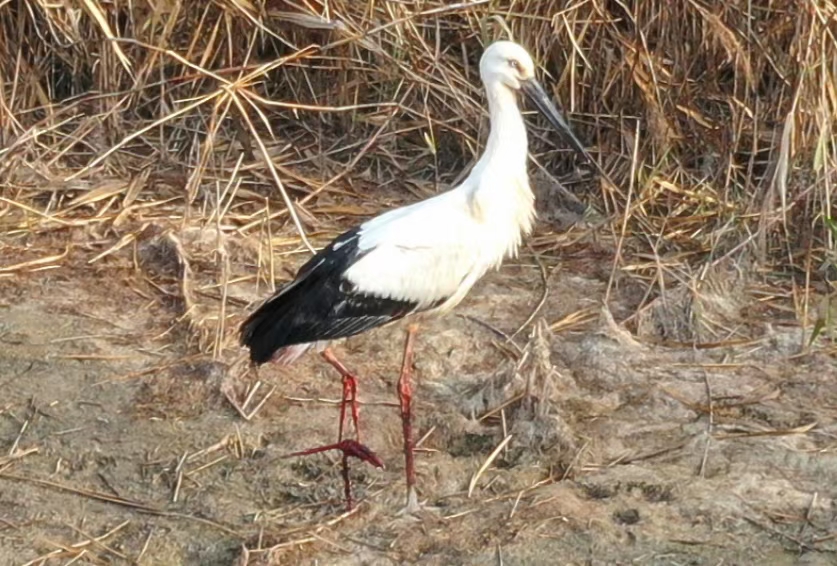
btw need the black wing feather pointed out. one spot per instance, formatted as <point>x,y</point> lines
<point>319,304</point>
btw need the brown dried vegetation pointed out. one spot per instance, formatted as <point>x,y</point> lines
<point>191,153</point>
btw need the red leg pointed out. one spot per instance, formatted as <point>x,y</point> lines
<point>349,393</point>
<point>405,397</point>
<point>348,447</point>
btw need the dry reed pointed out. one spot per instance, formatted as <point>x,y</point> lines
<point>200,124</point>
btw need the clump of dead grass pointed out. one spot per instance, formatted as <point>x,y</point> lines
<point>714,120</point>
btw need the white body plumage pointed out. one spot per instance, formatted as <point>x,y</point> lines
<point>437,249</point>
<point>422,257</point>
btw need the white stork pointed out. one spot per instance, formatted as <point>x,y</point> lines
<point>421,258</point>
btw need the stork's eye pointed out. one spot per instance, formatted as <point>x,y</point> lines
<point>515,64</point>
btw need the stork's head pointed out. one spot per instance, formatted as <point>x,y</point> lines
<point>508,64</point>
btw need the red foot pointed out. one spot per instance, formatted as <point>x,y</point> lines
<point>348,448</point>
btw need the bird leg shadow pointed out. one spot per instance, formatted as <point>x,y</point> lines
<point>349,448</point>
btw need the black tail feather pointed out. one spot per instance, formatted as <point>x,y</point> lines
<point>320,304</point>
<point>260,331</point>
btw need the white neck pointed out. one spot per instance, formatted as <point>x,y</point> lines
<point>507,146</point>
<point>498,186</point>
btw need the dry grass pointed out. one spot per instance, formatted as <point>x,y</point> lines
<point>192,153</point>
<point>175,139</point>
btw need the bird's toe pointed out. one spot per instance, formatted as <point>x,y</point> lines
<point>414,508</point>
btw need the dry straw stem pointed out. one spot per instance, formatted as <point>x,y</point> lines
<point>714,119</point>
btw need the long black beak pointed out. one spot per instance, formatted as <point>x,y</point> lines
<point>533,89</point>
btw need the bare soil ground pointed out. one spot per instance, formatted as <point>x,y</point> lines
<point>118,443</point>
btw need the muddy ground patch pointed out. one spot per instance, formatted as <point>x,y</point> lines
<point>120,443</point>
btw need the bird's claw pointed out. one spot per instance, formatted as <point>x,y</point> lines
<point>360,451</point>
<point>348,448</point>
<point>412,507</point>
